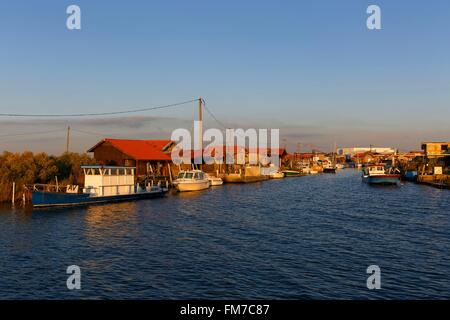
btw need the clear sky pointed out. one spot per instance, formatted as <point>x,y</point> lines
<point>310,68</point>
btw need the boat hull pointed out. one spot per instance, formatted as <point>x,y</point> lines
<point>387,179</point>
<point>53,199</point>
<point>292,173</point>
<point>192,186</point>
<point>329,170</point>
<point>238,178</point>
<point>216,182</point>
<point>277,175</point>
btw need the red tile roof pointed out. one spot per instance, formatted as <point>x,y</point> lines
<point>139,149</point>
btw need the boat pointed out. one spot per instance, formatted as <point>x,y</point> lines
<point>276,175</point>
<point>309,170</point>
<point>214,181</point>
<point>291,173</point>
<point>102,184</point>
<point>248,175</point>
<point>192,180</point>
<point>410,175</point>
<point>340,166</point>
<point>329,168</point>
<point>378,174</point>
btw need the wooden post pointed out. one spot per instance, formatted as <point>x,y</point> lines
<point>24,199</point>
<point>57,186</point>
<point>170,172</point>
<point>13,193</point>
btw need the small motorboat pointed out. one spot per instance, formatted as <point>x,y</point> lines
<point>378,174</point>
<point>329,168</point>
<point>291,173</point>
<point>276,175</point>
<point>214,181</point>
<point>193,180</point>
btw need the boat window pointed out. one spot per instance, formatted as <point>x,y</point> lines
<point>201,176</point>
<point>188,175</point>
<point>196,175</point>
<point>180,175</point>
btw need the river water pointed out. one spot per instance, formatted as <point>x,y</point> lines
<point>310,237</point>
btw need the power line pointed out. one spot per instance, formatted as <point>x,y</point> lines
<point>32,133</point>
<point>91,133</point>
<point>96,114</point>
<point>213,116</point>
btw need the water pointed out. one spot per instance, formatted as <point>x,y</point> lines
<point>299,238</point>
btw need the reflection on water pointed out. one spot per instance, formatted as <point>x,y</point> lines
<point>107,223</point>
<point>307,237</point>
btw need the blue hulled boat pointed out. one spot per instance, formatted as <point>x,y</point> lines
<point>377,174</point>
<point>102,184</point>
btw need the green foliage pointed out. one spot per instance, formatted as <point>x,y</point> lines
<point>27,168</point>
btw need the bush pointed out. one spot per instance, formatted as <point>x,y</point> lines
<point>27,168</point>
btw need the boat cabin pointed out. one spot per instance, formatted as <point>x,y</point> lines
<point>108,180</point>
<point>375,169</point>
<point>194,174</point>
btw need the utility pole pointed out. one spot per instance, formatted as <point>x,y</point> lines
<point>68,139</point>
<point>200,119</point>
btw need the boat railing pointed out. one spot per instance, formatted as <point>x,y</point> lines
<point>40,187</point>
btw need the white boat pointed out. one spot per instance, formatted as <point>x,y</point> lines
<point>339,166</point>
<point>276,175</point>
<point>214,181</point>
<point>193,180</point>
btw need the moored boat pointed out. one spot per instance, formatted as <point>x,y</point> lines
<point>378,174</point>
<point>214,181</point>
<point>291,173</point>
<point>329,169</point>
<point>276,175</point>
<point>102,184</point>
<point>193,180</point>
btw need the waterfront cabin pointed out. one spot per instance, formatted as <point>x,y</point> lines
<point>108,180</point>
<point>149,157</point>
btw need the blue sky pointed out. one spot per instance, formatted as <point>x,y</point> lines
<point>310,68</point>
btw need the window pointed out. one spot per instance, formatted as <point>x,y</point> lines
<point>180,175</point>
<point>188,175</point>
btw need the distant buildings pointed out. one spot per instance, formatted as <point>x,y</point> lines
<point>350,152</point>
<point>436,149</point>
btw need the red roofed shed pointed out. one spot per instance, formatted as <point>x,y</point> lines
<point>145,155</point>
